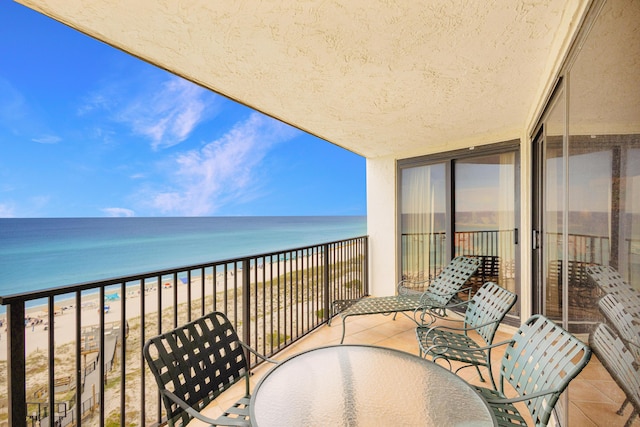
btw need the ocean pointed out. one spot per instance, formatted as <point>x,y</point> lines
<point>44,253</point>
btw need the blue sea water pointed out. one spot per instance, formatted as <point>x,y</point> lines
<point>50,252</point>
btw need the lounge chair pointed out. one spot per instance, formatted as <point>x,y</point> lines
<point>621,364</point>
<point>624,318</point>
<point>438,295</point>
<point>610,281</point>
<point>194,364</point>
<point>483,315</point>
<point>538,363</point>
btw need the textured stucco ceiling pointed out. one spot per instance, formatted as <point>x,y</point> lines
<point>380,78</point>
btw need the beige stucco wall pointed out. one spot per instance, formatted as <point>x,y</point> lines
<point>381,225</point>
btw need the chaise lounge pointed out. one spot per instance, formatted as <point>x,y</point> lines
<point>436,297</point>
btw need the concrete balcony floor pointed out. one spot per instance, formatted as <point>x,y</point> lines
<point>594,397</point>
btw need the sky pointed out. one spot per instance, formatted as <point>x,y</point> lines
<point>89,131</point>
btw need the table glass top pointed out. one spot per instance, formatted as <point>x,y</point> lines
<point>355,385</point>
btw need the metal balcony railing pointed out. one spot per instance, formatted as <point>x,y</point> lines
<point>424,255</point>
<point>80,346</point>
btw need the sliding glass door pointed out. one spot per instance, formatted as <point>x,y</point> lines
<point>588,172</point>
<point>485,216</point>
<point>461,203</point>
<point>549,224</point>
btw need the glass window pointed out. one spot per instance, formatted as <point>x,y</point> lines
<point>485,215</point>
<point>588,192</point>
<point>480,185</point>
<point>422,221</point>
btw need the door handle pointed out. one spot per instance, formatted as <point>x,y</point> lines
<point>535,239</point>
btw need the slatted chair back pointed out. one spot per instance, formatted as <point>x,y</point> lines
<point>542,357</point>
<point>624,317</point>
<point>610,281</point>
<point>196,362</point>
<point>450,280</point>
<point>488,307</point>
<point>619,362</point>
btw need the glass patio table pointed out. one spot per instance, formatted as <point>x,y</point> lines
<point>360,385</point>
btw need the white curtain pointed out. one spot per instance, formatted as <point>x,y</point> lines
<point>632,211</point>
<point>506,220</point>
<point>418,219</point>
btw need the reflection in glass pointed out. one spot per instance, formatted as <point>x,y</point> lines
<point>604,166</point>
<point>553,191</point>
<point>485,216</point>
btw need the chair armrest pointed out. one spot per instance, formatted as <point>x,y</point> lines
<point>454,328</point>
<point>505,400</point>
<point>458,303</point>
<point>498,344</point>
<point>444,344</point>
<point>255,353</point>
<point>195,414</point>
<point>423,310</point>
<point>407,287</point>
<point>468,290</point>
<point>434,312</point>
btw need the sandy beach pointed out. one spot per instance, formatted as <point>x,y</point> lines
<point>37,328</point>
<point>37,333</point>
<point>174,292</point>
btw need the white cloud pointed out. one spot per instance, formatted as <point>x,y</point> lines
<point>163,110</point>
<point>7,210</point>
<point>223,170</point>
<point>169,115</point>
<point>95,101</point>
<point>118,212</point>
<point>47,139</point>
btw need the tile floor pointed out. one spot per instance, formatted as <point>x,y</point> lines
<point>594,397</point>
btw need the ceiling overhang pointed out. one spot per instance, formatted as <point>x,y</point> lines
<point>379,78</point>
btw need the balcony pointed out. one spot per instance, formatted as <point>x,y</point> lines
<point>77,337</point>
<point>593,396</point>
<point>80,346</point>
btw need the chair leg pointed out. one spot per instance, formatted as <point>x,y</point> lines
<point>493,381</point>
<point>334,312</point>
<point>479,373</point>
<point>624,405</point>
<point>631,417</point>
<point>344,328</point>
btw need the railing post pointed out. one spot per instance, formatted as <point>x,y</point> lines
<point>246,302</point>
<point>16,365</point>
<point>325,281</point>
<point>366,265</point>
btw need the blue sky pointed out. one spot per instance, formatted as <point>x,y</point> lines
<point>89,131</point>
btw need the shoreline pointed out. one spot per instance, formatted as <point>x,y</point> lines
<point>37,333</point>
